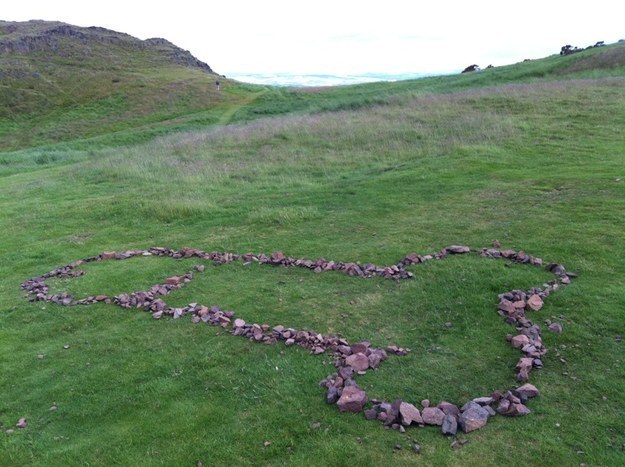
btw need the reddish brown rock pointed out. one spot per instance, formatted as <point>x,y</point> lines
<point>360,347</point>
<point>358,361</point>
<point>409,414</point>
<point>512,409</point>
<point>535,302</point>
<point>473,419</point>
<point>555,327</point>
<point>433,416</point>
<point>449,409</point>
<point>374,360</point>
<point>172,280</point>
<point>528,390</point>
<point>352,399</point>
<point>520,341</point>
<point>507,306</point>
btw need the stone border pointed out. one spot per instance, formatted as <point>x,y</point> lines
<point>350,360</point>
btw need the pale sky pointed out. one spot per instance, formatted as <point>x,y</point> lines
<point>346,36</point>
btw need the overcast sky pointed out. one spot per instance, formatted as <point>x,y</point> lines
<point>346,36</point>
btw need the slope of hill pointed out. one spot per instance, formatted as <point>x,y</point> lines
<point>60,82</point>
<point>530,154</point>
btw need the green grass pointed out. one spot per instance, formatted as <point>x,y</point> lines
<point>529,155</point>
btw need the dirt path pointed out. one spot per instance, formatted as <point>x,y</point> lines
<point>226,117</point>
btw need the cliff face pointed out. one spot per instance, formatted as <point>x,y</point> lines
<point>64,41</point>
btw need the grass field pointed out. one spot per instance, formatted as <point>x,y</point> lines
<point>531,155</point>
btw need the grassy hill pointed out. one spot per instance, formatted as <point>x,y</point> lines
<point>61,82</point>
<point>530,154</point>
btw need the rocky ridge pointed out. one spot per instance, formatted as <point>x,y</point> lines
<point>65,40</point>
<point>350,360</point>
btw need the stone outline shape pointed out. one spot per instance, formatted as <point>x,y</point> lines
<point>349,359</point>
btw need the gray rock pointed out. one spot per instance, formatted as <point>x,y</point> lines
<point>555,327</point>
<point>450,425</point>
<point>470,405</point>
<point>333,395</point>
<point>371,414</point>
<point>483,400</point>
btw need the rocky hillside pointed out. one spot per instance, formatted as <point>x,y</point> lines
<point>60,82</point>
<point>66,41</point>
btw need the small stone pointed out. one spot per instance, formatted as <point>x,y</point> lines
<point>9,431</point>
<point>416,447</point>
<point>41,356</point>
<point>398,447</point>
<point>267,444</point>
<point>315,426</point>
<point>22,423</point>
<point>239,323</point>
<point>199,267</point>
<point>528,390</point>
<point>555,327</point>
<point>433,416</point>
<point>371,414</point>
<point>483,400</point>
<point>333,395</point>
<point>172,280</point>
<point>425,403</point>
<point>54,408</point>
<point>66,346</point>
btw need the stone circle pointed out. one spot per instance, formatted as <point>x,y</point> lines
<point>349,359</point>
